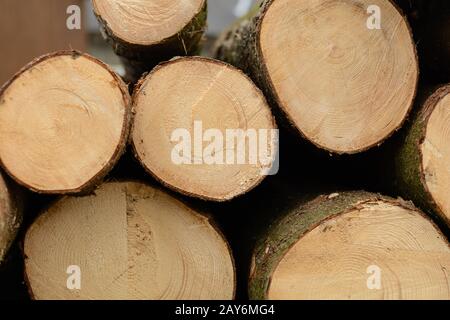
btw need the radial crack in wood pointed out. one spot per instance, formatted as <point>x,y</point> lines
<point>130,241</point>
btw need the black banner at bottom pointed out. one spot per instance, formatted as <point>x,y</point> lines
<point>219,309</point>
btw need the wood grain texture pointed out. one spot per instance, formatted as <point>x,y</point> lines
<point>184,91</point>
<point>64,123</point>
<point>340,85</point>
<point>323,248</point>
<point>146,32</point>
<point>131,241</point>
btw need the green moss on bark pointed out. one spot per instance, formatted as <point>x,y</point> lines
<point>409,171</point>
<point>294,224</point>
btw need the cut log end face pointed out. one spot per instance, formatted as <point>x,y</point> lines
<point>146,22</point>
<point>435,150</point>
<point>344,83</point>
<point>129,241</point>
<point>203,128</point>
<point>63,120</point>
<point>378,251</point>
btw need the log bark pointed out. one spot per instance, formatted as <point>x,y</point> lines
<point>320,83</point>
<point>422,155</point>
<point>129,27</point>
<point>70,114</point>
<point>191,95</point>
<point>128,241</point>
<point>11,215</point>
<point>323,249</point>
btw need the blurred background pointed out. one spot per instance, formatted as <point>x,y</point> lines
<point>30,28</point>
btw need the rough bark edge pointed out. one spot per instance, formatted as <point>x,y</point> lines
<point>11,203</point>
<point>294,225</point>
<point>409,168</point>
<point>240,47</point>
<point>196,211</point>
<point>96,180</point>
<point>137,91</point>
<point>185,41</point>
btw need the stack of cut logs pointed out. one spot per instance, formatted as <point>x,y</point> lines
<point>340,76</point>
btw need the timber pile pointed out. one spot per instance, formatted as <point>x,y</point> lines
<point>321,67</point>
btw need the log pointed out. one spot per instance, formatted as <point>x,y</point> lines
<point>64,122</point>
<point>344,87</point>
<point>423,154</point>
<point>146,32</point>
<point>351,245</point>
<point>187,111</point>
<point>128,241</point>
<point>11,215</point>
